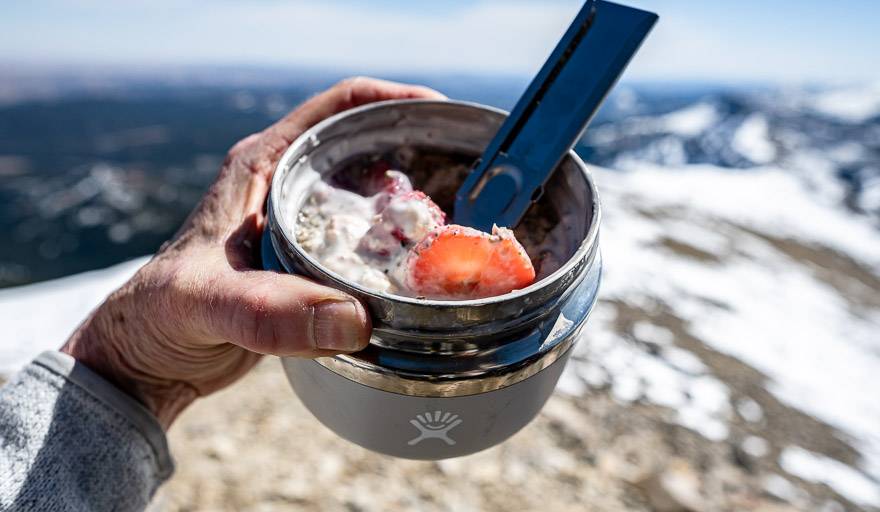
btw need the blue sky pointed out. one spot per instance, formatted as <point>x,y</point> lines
<point>744,40</point>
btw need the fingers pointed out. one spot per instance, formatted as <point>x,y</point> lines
<point>283,315</point>
<point>349,93</point>
<point>240,190</point>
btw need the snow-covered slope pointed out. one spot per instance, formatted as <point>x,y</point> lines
<point>731,294</point>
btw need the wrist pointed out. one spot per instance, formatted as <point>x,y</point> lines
<point>103,352</point>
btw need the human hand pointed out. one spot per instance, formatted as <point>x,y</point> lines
<point>200,314</point>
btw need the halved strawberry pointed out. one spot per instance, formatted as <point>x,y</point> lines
<point>463,263</point>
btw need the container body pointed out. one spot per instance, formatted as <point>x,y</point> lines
<point>439,378</point>
<point>416,427</point>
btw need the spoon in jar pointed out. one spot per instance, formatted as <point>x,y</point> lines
<point>551,115</point>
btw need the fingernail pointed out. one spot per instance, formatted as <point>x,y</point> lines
<point>338,325</point>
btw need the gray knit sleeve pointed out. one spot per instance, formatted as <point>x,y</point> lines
<point>73,441</point>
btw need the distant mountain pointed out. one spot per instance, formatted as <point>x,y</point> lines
<point>98,166</point>
<point>830,139</point>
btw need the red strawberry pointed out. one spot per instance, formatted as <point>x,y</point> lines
<point>463,263</point>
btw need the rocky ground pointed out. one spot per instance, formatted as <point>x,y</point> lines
<point>255,447</point>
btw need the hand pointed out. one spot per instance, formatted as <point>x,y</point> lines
<point>201,313</point>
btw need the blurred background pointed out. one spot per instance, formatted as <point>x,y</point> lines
<point>731,362</point>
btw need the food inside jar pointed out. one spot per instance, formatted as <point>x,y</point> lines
<point>389,237</point>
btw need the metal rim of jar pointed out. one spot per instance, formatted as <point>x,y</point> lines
<point>488,377</point>
<point>379,377</point>
<point>585,247</point>
<point>382,378</point>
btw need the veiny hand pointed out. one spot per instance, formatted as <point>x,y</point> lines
<point>200,313</point>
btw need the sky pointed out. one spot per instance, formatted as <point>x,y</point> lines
<point>787,41</point>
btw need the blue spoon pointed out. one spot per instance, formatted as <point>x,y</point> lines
<point>551,115</point>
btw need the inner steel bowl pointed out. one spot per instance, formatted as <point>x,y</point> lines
<point>456,127</point>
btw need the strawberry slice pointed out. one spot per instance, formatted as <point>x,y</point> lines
<point>464,263</point>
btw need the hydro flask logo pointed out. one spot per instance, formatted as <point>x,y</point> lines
<point>434,426</point>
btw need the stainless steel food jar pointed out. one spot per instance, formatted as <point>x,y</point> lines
<point>440,378</point>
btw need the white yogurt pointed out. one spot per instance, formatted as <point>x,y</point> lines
<point>365,239</point>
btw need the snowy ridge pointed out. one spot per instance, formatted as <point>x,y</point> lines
<point>828,138</point>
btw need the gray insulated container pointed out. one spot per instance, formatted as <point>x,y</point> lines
<point>440,378</point>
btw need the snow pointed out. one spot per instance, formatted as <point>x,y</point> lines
<point>41,316</point>
<point>779,486</point>
<point>854,104</point>
<point>681,383</point>
<point>755,446</point>
<point>650,333</point>
<point>752,140</point>
<point>842,478</point>
<point>764,197</point>
<point>750,410</point>
<point>847,153</point>
<point>690,121</point>
<point>870,198</point>
<point>707,409</point>
<point>751,300</point>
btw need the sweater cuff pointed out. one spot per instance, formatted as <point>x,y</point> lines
<point>140,418</point>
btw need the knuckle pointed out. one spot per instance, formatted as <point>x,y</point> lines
<point>260,324</point>
<point>353,84</point>
<point>245,144</point>
<point>241,149</point>
<point>352,81</point>
<point>254,320</point>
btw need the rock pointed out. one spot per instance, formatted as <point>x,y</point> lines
<point>220,448</point>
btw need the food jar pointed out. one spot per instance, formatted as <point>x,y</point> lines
<point>439,378</point>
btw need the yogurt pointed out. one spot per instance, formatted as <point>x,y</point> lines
<point>365,223</point>
<point>366,239</point>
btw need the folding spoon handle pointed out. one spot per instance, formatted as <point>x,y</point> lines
<point>551,115</point>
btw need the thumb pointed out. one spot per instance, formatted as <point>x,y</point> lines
<point>284,315</point>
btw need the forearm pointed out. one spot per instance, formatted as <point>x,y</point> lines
<point>72,441</point>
